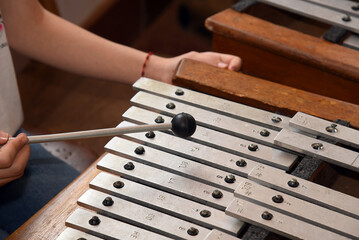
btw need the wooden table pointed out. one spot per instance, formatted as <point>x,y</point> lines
<point>49,222</point>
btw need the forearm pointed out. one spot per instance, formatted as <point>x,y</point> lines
<point>48,38</point>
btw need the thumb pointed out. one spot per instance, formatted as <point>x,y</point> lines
<point>4,137</point>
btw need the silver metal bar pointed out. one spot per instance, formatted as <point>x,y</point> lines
<point>140,216</point>
<point>326,197</point>
<point>215,104</point>
<point>195,151</point>
<point>297,208</point>
<point>319,149</point>
<point>316,12</point>
<point>97,133</point>
<point>70,233</point>
<point>277,222</point>
<point>341,6</point>
<point>163,180</point>
<point>222,141</point>
<point>171,163</point>
<point>168,203</point>
<point>217,235</point>
<point>352,41</point>
<point>108,227</point>
<point>205,118</point>
<point>324,128</point>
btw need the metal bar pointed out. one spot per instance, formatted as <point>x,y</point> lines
<point>322,150</point>
<point>109,228</point>
<point>195,151</point>
<point>70,233</point>
<point>217,235</point>
<point>171,163</point>
<point>277,222</point>
<point>163,180</point>
<point>215,104</point>
<point>326,197</point>
<point>324,128</point>
<point>317,12</point>
<point>140,216</point>
<point>352,41</point>
<point>297,208</point>
<point>347,7</point>
<point>222,141</point>
<point>205,118</point>
<point>166,202</point>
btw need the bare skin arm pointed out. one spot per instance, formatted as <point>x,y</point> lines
<point>41,35</point>
<point>35,32</point>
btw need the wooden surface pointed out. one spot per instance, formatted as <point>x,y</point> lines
<point>261,93</point>
<point>311,63</point>
<point>49,222</point>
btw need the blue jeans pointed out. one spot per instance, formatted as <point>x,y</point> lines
<point>44,177</point>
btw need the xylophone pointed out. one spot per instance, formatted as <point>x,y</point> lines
<point>243,166</point>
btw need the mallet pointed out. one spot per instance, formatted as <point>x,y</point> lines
<point>182,125</point>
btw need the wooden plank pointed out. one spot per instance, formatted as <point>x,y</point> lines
<point>49,222</point>
<point>311,63</point>
<point>261,93</point>
<point>286,42</point>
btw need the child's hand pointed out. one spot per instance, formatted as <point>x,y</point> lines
<point>13,157</point>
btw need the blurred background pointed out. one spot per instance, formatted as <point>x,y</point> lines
<point>57,101</point>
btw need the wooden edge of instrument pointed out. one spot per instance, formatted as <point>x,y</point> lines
<point>261,93</point>
<point>49,221</point>
<point>285,42</point>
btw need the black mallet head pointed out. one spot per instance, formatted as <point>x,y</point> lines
<point>183,125</point>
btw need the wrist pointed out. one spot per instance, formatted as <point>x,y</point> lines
<point>155,68</point>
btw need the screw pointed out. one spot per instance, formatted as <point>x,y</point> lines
<point>94,221</point>
<point>107,202</point>
<point>264,133</point>
<point>277,198</point>
<point>139,150</point>
<point>276,119</point>
<point>217,194</point>
<point>293,183</point>
<point>192,231</point>
<point>129,166</point>
<point>332,128</point>
<point>230,178</point>
<point>150,134</point>
<point>179,92</point>
<point>205,213</point>
<point>346,18</point>
<point>170,105</point>
<point>252,147</point>
<point>317,146</point>
<point>159,119</point>
<point>118,184</point>
<point>241,163</point>
<point>355,7</point>
<point>267,215</point>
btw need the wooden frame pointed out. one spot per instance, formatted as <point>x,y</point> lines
<point>287,56</point>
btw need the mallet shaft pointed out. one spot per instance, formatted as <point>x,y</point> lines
<point>97,133</point>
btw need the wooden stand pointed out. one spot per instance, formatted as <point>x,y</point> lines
<point>278,53</point>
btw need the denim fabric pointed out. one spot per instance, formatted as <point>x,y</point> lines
<point>44,177</point>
